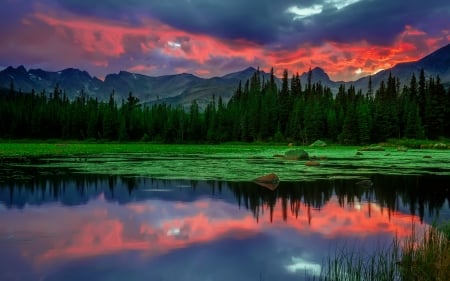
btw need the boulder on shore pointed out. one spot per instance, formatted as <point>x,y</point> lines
<point>318,143</point>
<point>440,146</point>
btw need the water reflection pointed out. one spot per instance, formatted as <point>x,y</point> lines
<point>69,227</point>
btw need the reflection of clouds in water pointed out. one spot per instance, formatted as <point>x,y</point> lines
<point>202,237</point>
<point>173,232</point>
<point>179,233</point>
<point>300,254</point>
<point>300,265</point>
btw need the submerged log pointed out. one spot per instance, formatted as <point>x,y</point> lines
<point>312,163</point>
<point>372,148</point>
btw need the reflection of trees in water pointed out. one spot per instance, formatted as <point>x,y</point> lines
<point>292,196</point>
<point>422,195</point>
<point>418,193</point>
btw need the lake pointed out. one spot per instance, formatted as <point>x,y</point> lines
<point>61,219</point>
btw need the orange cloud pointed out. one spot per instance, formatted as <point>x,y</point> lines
<point>343,60</point>
<point>109,39</point>
<point>106,38</point>
<point>103,41</point>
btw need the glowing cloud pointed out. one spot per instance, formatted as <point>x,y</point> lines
<point>300,13</point>
<point>340,4</point>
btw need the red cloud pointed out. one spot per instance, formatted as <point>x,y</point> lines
<point>102,41</point>
<point>60,38</point>
<point>341,60</point>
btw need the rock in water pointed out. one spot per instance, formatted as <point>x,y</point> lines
<point>296,154</point>
<point>269,181</point>
<point>318,143</point>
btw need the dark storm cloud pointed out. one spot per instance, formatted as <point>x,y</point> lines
<point>377,22</point>
<point>267,22</point>
<point>257,21</point>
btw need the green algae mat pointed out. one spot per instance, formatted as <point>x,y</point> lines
<point>223,162</point>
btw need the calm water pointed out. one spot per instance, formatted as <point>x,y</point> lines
<point>91,227</point>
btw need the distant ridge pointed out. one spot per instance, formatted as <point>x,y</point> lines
<point>434,64</point>
<point>184,88</point>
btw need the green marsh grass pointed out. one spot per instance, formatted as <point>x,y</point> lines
<point>427,258</point>
<point>417,144</point>
<point>232,162</point>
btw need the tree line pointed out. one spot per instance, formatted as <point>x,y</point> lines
<point>259,110</point>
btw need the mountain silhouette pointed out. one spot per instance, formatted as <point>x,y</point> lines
<point>184,88</point>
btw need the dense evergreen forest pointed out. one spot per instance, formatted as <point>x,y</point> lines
<point>298,111</point>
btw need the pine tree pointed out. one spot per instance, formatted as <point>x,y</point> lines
<point>413,126</point>
<point>421,97</point>
<point>195,123</point>
<point>364,121</point>
<point>110,119</point>
<point>284,103</point>
<point>350,128</point>
<point>434,122</point>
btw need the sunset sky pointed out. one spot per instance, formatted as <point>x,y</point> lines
<point>348,38</point>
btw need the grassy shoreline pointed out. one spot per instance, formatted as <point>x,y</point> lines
<point>35,148</point>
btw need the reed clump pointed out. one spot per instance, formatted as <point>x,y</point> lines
<point>427,258</point>
<point>419,257</point>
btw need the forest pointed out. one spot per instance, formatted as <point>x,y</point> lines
<point>296,111</point>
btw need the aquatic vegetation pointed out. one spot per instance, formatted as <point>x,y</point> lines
<point>224,162</point>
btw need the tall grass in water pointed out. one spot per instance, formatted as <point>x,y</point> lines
<point>355,265</point>
<point>427,258</point>
<point>417,258</point>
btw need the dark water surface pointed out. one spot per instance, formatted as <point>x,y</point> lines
<point>95,227</point>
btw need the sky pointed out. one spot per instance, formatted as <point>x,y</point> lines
<point>347,38</point>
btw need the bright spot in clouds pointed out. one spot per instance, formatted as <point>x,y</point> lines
<point>358,71</point>
<point>304,12</point>
<point>301,13</point>
<point>174,45</point>
<point>339,4</point>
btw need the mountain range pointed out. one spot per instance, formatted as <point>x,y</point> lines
<point>184,88</point>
